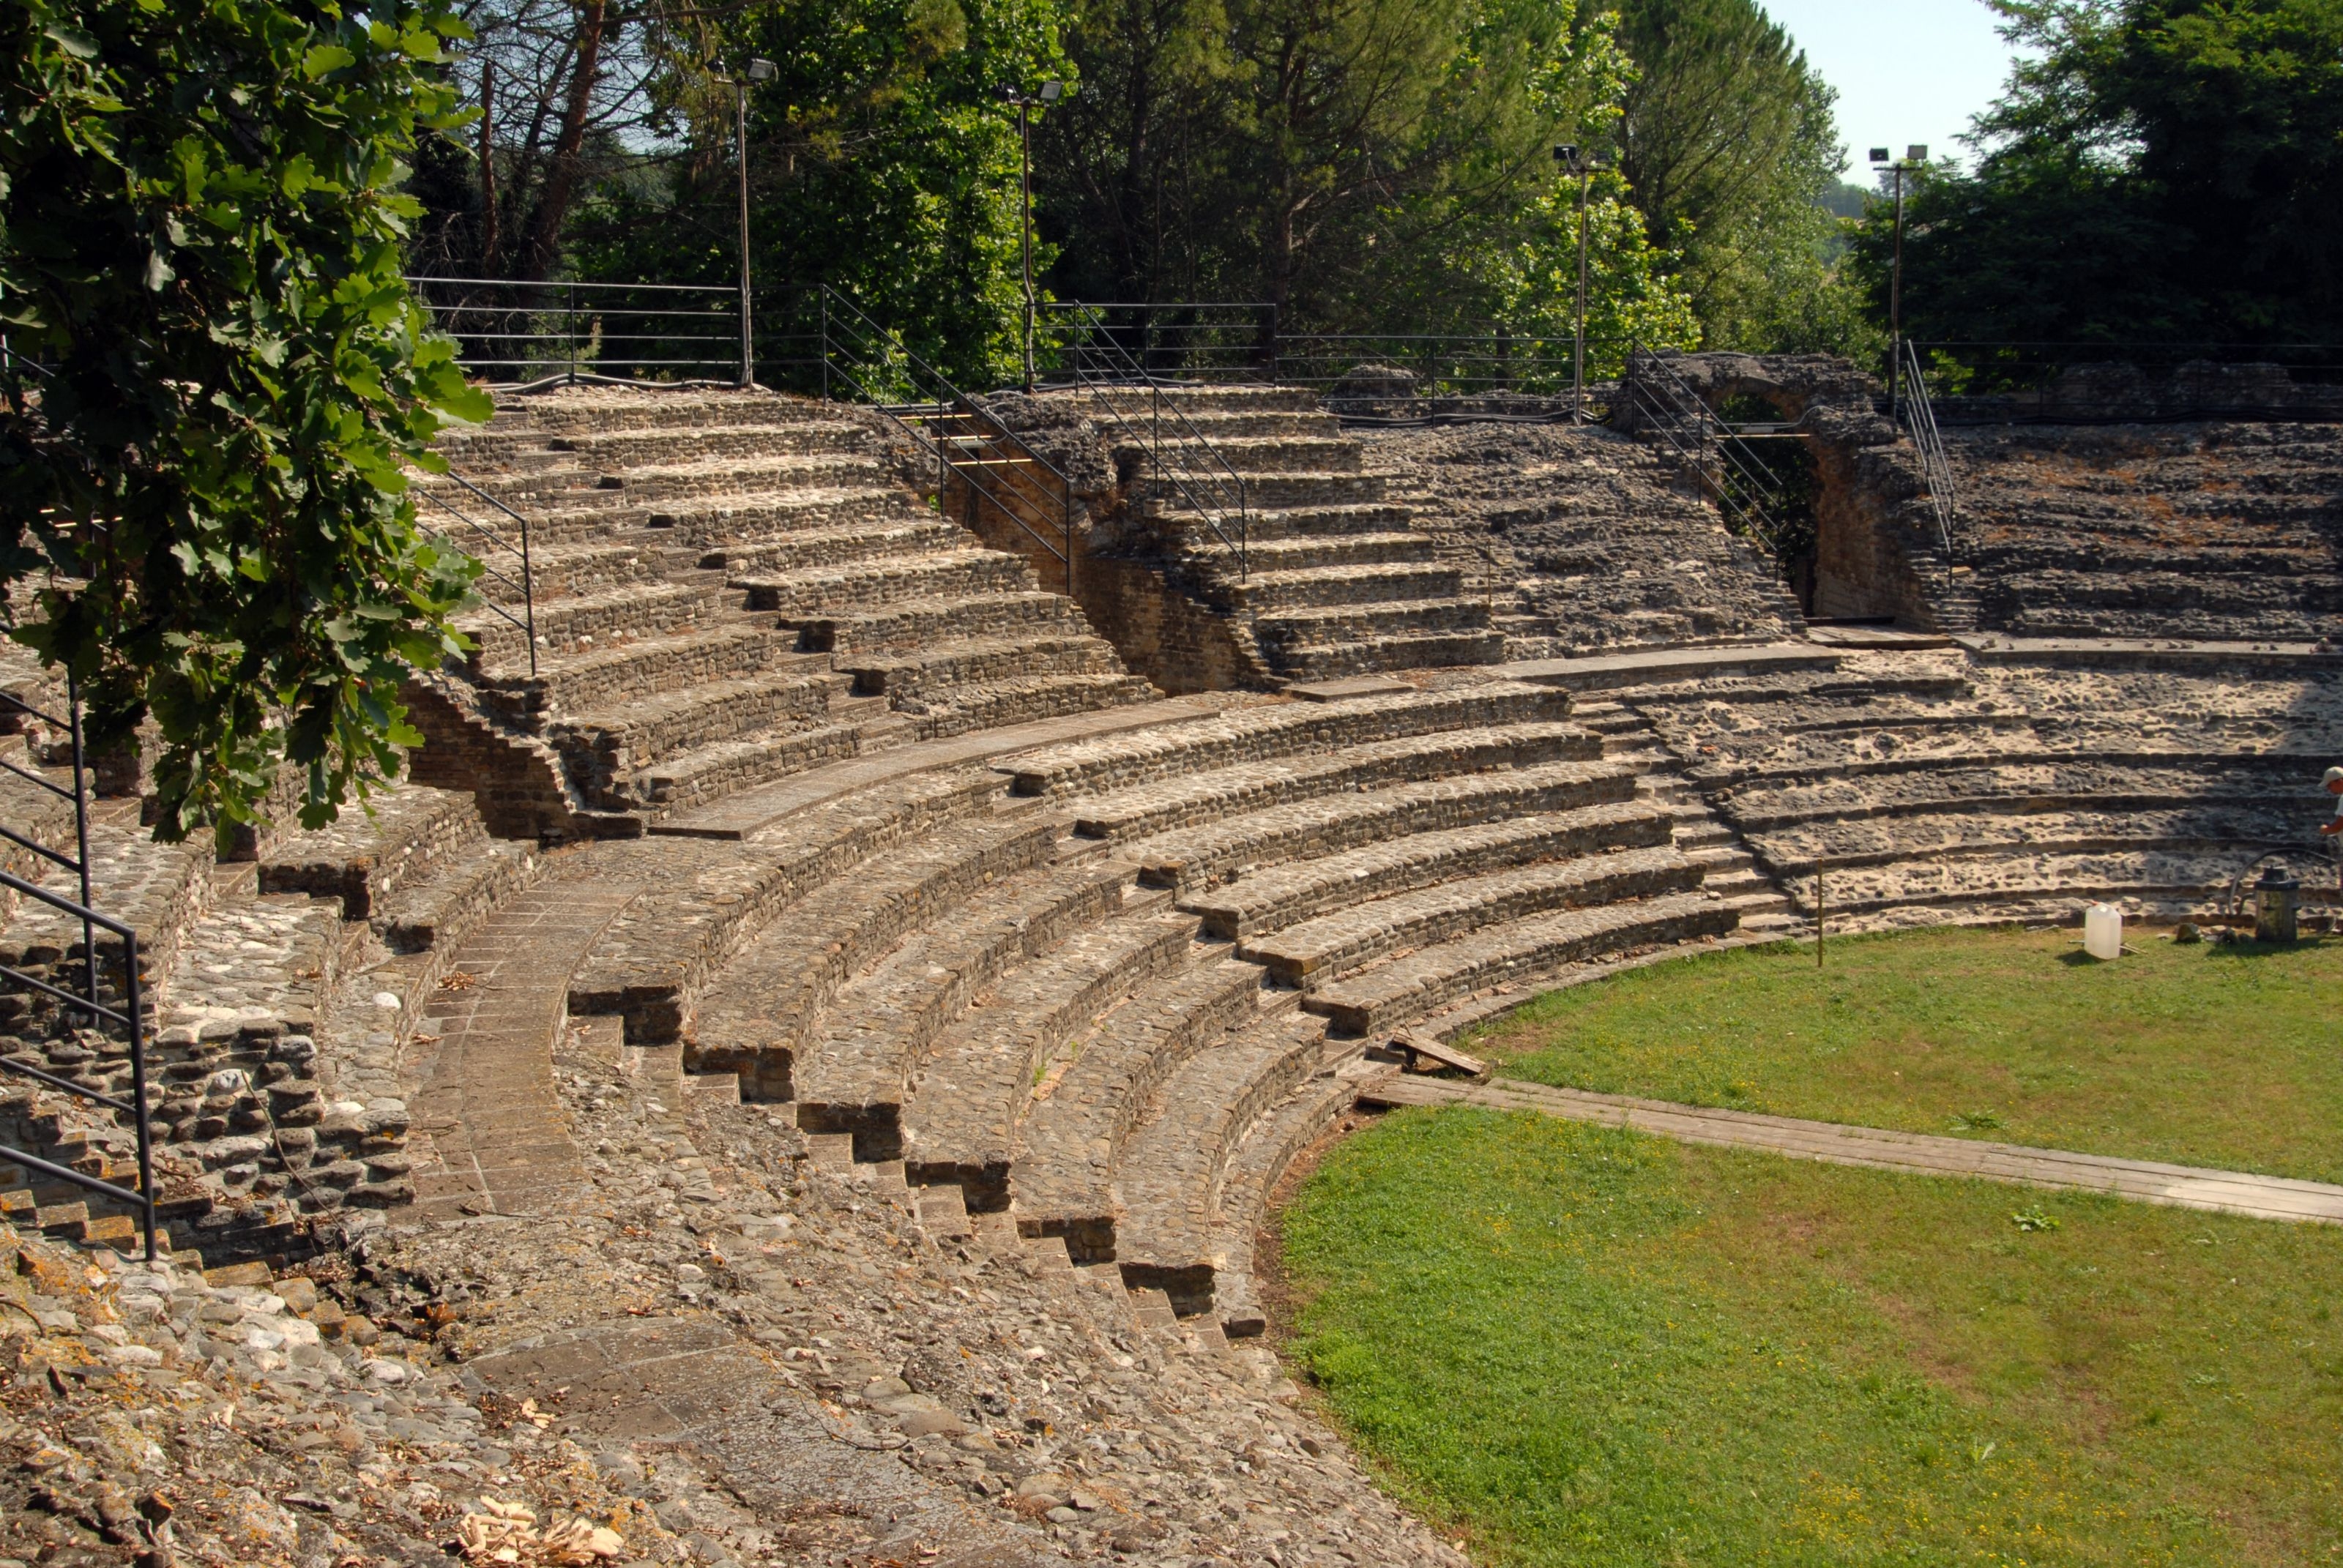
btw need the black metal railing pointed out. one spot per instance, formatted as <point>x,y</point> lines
<point>1918,415</point>
<point>1656,399</point>
<point>1184,458</point>
<point>571,330</point>
<point>502,548</point>
<point>1216,340</point>
<point>130,1016</point>
<point>1443,364</point>
<point>966,443</point>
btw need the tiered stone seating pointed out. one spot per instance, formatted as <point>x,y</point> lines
<point>1933,787</point>
<point>2219,532</point>
<point>1587,539</point>
<point>1338,583</point>
<point>730,587</point>
<point>1036,1001</point>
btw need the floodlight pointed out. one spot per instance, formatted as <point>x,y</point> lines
<point>1879,154</point>
<point>1916,153</point>
<point>1052,91</point>
<point>763,70</point>
<point>1566,156</point>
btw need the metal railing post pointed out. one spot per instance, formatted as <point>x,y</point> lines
<point>81,836</point>
<point>570,329</point>
<point>139,1085</point>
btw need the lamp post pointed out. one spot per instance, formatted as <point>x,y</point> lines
<point>1574,161</point>
<point>1024,103</point>
<point>756,71</point>
<point>1914,156</point>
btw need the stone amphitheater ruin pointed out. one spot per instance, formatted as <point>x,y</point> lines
<point>806,1061</point>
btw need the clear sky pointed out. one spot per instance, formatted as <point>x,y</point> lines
<point>1906,70</point>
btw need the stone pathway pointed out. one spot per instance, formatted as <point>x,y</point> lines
<point>481,1060</point>
<point>2146,1180</point>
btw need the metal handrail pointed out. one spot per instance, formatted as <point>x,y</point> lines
<point>1669,408</point>
<point>1227,487</point>
<point>526,624</point>
<point>1919,417</point>
<point>563,304</point>
<point>131,1016</point>
<point>988,458</point>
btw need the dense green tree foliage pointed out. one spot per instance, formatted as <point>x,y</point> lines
<point>1730,150</point>
<point>883,162</point>
<point>214,376</point>
<point>2158,170</point>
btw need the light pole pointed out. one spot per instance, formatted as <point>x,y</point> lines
<point>1574,160</point>
<point>1024,103</point>
<point>1914,156</point>
<point>756,71</point>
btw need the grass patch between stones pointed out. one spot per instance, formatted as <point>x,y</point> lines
<point>1586,1346</point>
<point>2229,1057</point>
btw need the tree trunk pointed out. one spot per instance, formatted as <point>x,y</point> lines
<point>561,173</point>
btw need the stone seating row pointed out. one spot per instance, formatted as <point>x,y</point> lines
<point>2202,530</point>
<point>730,587</point>
<point>1960,789</point>
<point>1048,1021</point>
<point>1589,540</point>
<point>1342,585</point>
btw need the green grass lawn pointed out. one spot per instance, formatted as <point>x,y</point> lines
<point>2229,1057</point>
<point>1583,1346</point>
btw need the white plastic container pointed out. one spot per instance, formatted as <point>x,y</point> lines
<point>2103,931</point>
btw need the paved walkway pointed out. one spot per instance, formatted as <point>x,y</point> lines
<point>2148,1182</point>
<point>483,1088</point>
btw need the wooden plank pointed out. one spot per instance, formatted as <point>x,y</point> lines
<point>1420,1048</point>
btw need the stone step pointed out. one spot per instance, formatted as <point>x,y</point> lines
<point>2282,784</point>
<point>1313,951</point>
<point>939,669</point>
<point>1286,490</point>
<point>579,569</point>
<point>1289,632</point>
<point>702,775</point>
<point>853,1068</point>
<point>1274,731</point>
<point>669,486</point>
<point>2191,879</point>
<point>1063,1181</point>
<point>2018,825</point>
<point>650,963</point>
<point>1249,1176</point>
<point>963,1118</point>
<point>1408,650</point>
<point>604,752</point>
<point>747,521</point>
<point>1265,523</point>
<point>1225,793</point>
<point>860,588</point>
<point>834,546</point>
<point>644,407</point>
<point>1202,857</point>
<point>1312,552</point>
<point>1276,593</point>
<point>1214,398</point>
<point>435,915</point>
<point>574,626</point>
<point>1254,454</point>
<point>834,930</point>
<point>1171,1171</point>
<point>1407,987</point>
<point>631,668</point>
<point>407,835</point>
<point>923,623</point>
<point>1022,699</point>
<point>657,447</point>
<point>1217,425</point>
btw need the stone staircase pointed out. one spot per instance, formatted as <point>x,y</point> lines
<point>1338,583</point>
<point>1937,785</point>
<point>277,989</point>
<point>1586,540</point>
<point>730,587</point>
<point>1105,989</point>
<point>2215,532</point>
